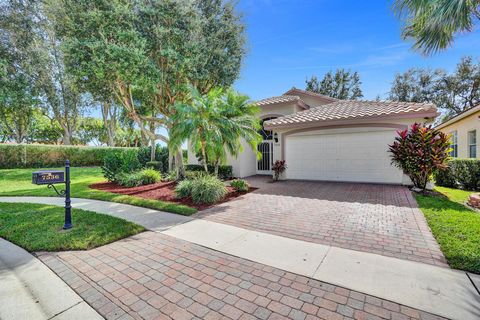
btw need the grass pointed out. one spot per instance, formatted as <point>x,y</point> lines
<point>455,227</point>
<point>18,182</point>
<point>456,195</point>
<point>37,227</point>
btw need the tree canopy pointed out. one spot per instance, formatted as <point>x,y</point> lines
<point>453,93</point>
<point>433,25</point>
<point>344,84</point>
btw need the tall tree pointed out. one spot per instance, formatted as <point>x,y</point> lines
<point>17,73</point>
<point>433,24</point>
<point>148,52</point>
<point>454,93</point>
<point>344,84</point>
<point>110,114</point>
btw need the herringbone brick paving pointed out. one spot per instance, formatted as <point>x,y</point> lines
<point>381,219</point>
<point>154,276</point>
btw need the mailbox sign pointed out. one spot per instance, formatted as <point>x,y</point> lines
<point>48,177</point>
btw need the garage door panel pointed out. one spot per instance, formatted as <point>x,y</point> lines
<point>359,157</point>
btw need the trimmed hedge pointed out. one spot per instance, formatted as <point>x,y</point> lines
<point>463,173</point>
<point>41,156</point>
<point>224,172</point>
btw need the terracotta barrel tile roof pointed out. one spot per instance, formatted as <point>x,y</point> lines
<point>279,99</point>
<point>349,109</point>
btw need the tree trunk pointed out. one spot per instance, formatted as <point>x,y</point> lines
<point>152,142</point>
<point>179,164</point>
<point>109,116</point>
<point>66,139</point>
<point>204,156</point>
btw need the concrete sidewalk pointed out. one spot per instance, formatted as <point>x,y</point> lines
<point>30,290</point>
<point>441,291</point>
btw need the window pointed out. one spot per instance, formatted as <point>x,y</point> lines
<point>472,144</point>
<point>454,145</point>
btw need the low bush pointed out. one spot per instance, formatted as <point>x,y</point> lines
<point>278,168</point>
<point>138,178</point>
<point>207,190</point>
<point>224,172</point>
<point>150,176</point>
<point>240,185</point>
<point>195,174</point>
<point>460,172</point>
<point>14,156</point>
<point>116,163</point>
<point>170,176</point>
<point>157,165</point>
<point>161,156</point>
<point>184,189</point>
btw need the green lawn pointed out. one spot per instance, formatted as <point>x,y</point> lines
<point>37,227</point>
<point>456,227</point>
<point>18,182</point>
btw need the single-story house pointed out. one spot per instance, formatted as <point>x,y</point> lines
<point>322,138</point>
<point>463,129</point>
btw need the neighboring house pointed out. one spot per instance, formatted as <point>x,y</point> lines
<point>463,129</point>
<point>322,138</point>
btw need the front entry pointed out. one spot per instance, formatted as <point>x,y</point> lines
<point>264,165</point>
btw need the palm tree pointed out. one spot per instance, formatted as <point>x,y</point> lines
<point>215,124</point>
<point>433,23</point>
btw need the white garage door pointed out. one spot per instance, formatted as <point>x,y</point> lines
<point>359,156</point>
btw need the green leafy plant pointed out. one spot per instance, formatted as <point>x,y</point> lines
<point>464,173</point>
<point>278,168</point>
<point>120,162</point>
<point>240,185</point>
<point>192,175</point>
<point>207,190</point>
<point>420,152</point>
<point>170,176</point>
<point>138,178</point>
<point>184,189</point>
<point>224,172</point>
<point>150,176</point>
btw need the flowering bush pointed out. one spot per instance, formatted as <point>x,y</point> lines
<point>420,152</point>
<point>278,168</point>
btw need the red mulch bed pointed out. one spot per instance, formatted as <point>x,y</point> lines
<point>164,191</point>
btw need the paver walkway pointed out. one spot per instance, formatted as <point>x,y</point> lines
<point>381,219</point>
<point>429,288</point>
<point>154,276</point>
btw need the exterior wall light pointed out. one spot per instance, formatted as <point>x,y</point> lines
<point>275,137</point>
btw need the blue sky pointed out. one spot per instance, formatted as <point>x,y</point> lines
<point>289,40</point>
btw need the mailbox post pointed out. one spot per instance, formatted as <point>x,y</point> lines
<point>52,177</point>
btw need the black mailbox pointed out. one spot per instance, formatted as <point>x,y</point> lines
<point>48,177</point>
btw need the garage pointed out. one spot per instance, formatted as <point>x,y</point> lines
<point>359,155</point>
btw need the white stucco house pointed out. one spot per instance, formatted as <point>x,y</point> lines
<point>322,138</point>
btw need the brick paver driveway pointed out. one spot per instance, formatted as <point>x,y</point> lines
<point>382,219</point>
<point>154,276</point>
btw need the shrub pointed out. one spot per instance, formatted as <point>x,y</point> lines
<point>278,168</point>
<point>445,178</point>
<point>207,190</point>
<point>125,161</point>
<point>43,156</point>
<point>157,165</point>
<point>224,172</point>
<point>161,155</point>
<point>138,178</point>
<point>149,176</point>
<point>184,189</point>
<point>170,176</point>
<point>463,172</point>
<point>420,152</point>
<point>240,185</point>
<point>195,174</point>
<point>128,180</point>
